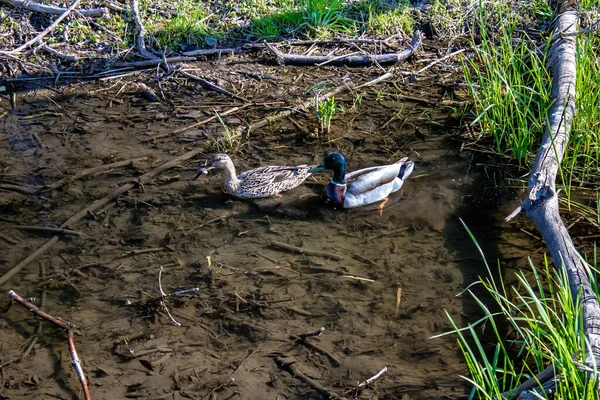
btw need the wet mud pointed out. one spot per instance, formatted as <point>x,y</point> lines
<point>379,285</point>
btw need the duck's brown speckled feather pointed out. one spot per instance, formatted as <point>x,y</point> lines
<point>269,181</point>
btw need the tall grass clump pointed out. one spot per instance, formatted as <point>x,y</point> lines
<point>545,326</point>
<point>582,160</point>
<point>510,87</point>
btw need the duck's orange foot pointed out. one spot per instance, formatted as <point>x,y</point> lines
<point>380,208</point>
<point>279,195</point>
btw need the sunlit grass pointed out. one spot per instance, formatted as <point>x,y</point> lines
<point>189,26</point>
<point>546,327</point>
<point>385,20</point>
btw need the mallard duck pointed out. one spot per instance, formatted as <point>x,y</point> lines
<point>362,187</point>
<point>259,182</point>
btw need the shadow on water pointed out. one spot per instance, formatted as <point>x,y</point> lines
<point>380,285</point>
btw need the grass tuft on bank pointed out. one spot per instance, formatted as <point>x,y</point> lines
<point>545,327</point>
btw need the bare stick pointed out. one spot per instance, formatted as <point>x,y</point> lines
<point>302,339</point>
<point>17,188</point>
<point>141,39</point>
<point>195,125</point>
<point>296,373</point>
<point>348,60</point>
<point>301,250</point>
<point>425,68</point>
<point>54,52</point>
<point>47,30</point>
<point>207,85</point>
<point>211,52</point>
<point>163,295</point>
<point>373,378</point>
<point>92,171</point>
<point>47,229</point>
<point>77,365</point>
<point>35,309</point>
<point>67,326</point>
<point>48,9</point>
<point>96,206</point>
<point>154,61</point>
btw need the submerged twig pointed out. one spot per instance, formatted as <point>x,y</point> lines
<point>297,373</point>
<point>295,249</point>
<point>67,326</point>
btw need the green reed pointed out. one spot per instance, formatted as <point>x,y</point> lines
<point>546,327</point>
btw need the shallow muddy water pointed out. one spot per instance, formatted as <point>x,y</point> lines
<point>252,294</point>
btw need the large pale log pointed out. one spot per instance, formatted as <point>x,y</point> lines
<point>541,205</point>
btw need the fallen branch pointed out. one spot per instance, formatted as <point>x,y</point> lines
<point>211,86</point>
<point>542,205</point>
<point>56,53</point>
<point>301,250</point>
<point>350,60</point>
<point>194,125</point>
<point>90,171</point>
<point>211,52</point>
<point>310,103</point>
<point>96,206</point>
<point>68,327</point>
<point>48,9</point>
<point>46,31</point>
<point>141,39</point>
<point>296,373</point>
<point>20,189</point>
<point>154,61</point>
<point>302,339</point>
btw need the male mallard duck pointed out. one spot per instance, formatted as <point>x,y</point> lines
<point>362,187</point>
<point>258,182</point>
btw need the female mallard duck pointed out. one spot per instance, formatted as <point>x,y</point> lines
<point>258,182</point>
<point>362,187</point>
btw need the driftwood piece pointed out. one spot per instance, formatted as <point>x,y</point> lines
<point>48,9</point>
<point>542,205</point>
<point>96,206</point>
<point>350,60</point>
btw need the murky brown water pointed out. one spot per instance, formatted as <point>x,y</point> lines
<point>252,296</point>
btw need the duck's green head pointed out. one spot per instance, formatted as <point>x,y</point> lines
<point>334,162</point>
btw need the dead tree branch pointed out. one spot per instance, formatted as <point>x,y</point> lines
<point>48,9</point>
<point>141,39</point>
<point>542,205</point>
<point>350,60</point>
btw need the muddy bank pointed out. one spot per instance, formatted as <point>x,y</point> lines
<point>252,295</point>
